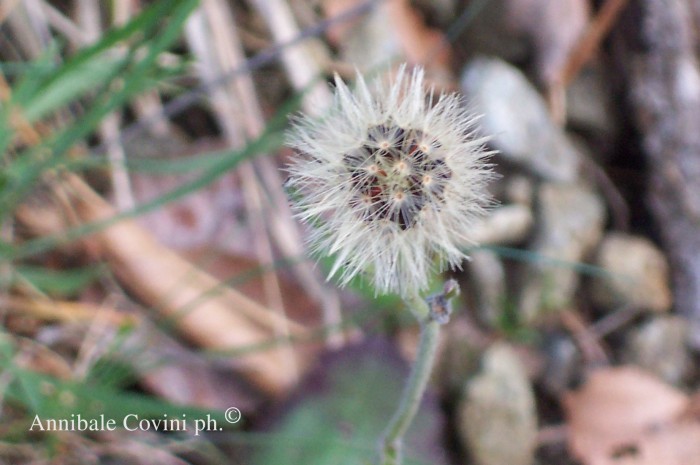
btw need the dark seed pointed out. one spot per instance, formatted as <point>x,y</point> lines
<point>404,145</point>
<point>399,138</point>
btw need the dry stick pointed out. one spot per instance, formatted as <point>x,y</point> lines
<point>89,17</point>
<point>30,30</point>
<point>302,65</point>
<point>6,8</point>
<point>591,40</point>
<point>618,205</point>
<point>226,54</point>
<point>614,320</point>
<point>586,339</point>
<point>64,25</point>
<point>247,120</point>
<point>303,62</point>
<point>225,320</point>
<point>243,93</point>
<point>181,103</point>
<point>148,103</point>
<point>585,49</point>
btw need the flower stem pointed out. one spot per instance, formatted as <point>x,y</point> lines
<point>392,441</point>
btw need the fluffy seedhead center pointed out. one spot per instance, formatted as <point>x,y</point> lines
<point>397,173</point>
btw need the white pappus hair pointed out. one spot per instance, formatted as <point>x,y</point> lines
<point>391,179</point>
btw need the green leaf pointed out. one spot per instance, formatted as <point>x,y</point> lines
<point>528,256</point>
<point>154,31</point>
<point>60,283</point>
<point>218,168</point>
<point>46,397</point>
<point>343,410</point>
<point>72,84</point>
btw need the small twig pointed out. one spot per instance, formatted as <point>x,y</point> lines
<point>91,25</point>
<point>219,28</point>
<point>614,321</point>
<point>589,43</point>
<point>586,339</point>
<point>301,62</point>
<point>181,103</point>
<point>31,29</point>
<point>581,54</point>
<point>147,103</point>
<point>261,179</point>
<point>64,25</point>
<point>6,9</point>
<point>616,201</point>
<point>554,434</point>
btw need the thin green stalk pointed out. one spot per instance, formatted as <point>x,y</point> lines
<point>392,441</point>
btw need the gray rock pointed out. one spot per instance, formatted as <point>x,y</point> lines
<point>489,277</point>
<point>505,225</point>
<point>589,102</point>
<point>517,117</point>
<point>660,346</point>
<point>459,356</point>
<point>519,189</point>
<point>570,225</point>
<point>562,365</point>
<point>370,44</point>
<point>638,274</point>
<point>497,418</point>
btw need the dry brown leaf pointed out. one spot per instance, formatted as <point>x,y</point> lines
<point>694,407</point>
<point>679,444</point>
<point>209,314</point>
<point>542,32</point>
<point>420,43</point>
<point>626,416</point>
<point>402,24</point>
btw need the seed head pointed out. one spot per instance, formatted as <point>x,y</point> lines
<point>391,180</point>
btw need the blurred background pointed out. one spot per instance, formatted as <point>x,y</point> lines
<point>151,269</point>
